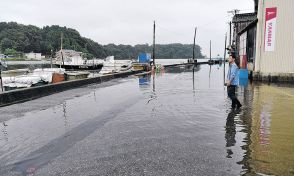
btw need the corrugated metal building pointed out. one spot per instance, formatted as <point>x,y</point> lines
<point>275,38</point>
<point>244,37</point>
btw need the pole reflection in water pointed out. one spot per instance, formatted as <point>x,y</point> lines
<point>64,114</point>
<point>194,91</point>
<point>153,92</point>
<point>4,130</point>
<point>153,83</point>
<point>95,98</point>
<point>209,75</point>
<point>194,79</point>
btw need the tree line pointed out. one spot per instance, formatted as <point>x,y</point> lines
<point>15,38</point>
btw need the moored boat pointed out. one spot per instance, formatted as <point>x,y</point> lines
<point>73,60</point>
<point>113,66</point>
<point>74,75</point>
<point>36,78</point>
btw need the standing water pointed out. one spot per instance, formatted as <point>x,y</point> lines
<point>176,122</point>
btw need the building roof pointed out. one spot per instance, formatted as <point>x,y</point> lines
<point>244,17</point>
<point>249,26</point>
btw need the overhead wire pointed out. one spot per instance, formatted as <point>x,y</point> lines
<point>202,26</point>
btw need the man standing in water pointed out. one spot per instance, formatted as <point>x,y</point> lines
<point>232,81</point>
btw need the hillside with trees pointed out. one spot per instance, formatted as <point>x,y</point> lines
<point>15,38</point>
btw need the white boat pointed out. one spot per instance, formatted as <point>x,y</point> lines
<point>16,72</point>
<point>76,62</point>
<point>114,66</point>
<point>36,78</point>
<point>3,65</point>
<point>74,75</point>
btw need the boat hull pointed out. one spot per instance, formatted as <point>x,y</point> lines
<point>80,67</point>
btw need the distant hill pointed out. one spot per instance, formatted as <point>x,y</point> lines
<point>27,38</point>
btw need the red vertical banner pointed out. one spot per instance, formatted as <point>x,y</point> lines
<point>270,28</point>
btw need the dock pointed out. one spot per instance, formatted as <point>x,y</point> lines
<point>26,94</point>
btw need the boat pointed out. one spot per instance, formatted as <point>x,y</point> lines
<point>3,65</point>
<point>37,78</point>
<point>16,72</point>
<point>211,62</point>
<point>114,66</point>
<point>74,75</point>
<point>73,60</point>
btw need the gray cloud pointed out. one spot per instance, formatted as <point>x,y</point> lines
<point>130,21</point>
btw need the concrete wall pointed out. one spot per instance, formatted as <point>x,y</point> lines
<point>27,94</point>
<point>281,60</point>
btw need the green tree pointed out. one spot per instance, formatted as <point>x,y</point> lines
<point>10,51</point>
<point>27,38</point>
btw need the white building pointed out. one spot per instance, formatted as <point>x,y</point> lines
<point>275,38</point>
<point>31,55</point>
<point>2,56</point>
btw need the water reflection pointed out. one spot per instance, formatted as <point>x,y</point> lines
<point>265,125</point>
<point>94,95</point>
<point>194,91</point>
<point>144,84</point>
<point>209,76</point>
<point>258,139</point>
<point>195,68</point>
<point>193,79</point>
<point>4,131</point>
<point>64,114</point>
<point>153,92</point>
<point>230,134</point>
<point>144,80</point>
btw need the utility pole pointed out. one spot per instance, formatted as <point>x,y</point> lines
<point>153,55</point>
<point>51,58</point>
<point>233,12</point>
<point>210,51</point>
<point>61,49</point>
<point>194,45</point>
<point>1,76</point>
<point>230,39</point>
<point>225,52</point>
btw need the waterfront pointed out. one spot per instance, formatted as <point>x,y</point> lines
<point>173,123</point>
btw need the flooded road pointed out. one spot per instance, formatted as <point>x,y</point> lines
<point>173,123</point>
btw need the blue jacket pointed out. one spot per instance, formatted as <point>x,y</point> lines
<point>233,74</point>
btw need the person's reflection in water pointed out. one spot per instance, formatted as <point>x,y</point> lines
<point>231,132</point>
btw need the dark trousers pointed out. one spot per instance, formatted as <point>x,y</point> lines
<point>232,96</point>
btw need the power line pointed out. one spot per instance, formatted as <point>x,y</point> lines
<point>202,26</point>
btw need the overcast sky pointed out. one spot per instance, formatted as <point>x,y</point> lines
<point>131,21</point>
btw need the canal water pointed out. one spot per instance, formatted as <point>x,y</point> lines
<point>177,121</point>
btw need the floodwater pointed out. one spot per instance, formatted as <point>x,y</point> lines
<point>176,122</point>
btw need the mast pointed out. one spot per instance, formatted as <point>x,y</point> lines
<point>1,76</point>
<point>194,45</point>
<point>210,51</point>
<point>153,55</point>
<point>61,51</point>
